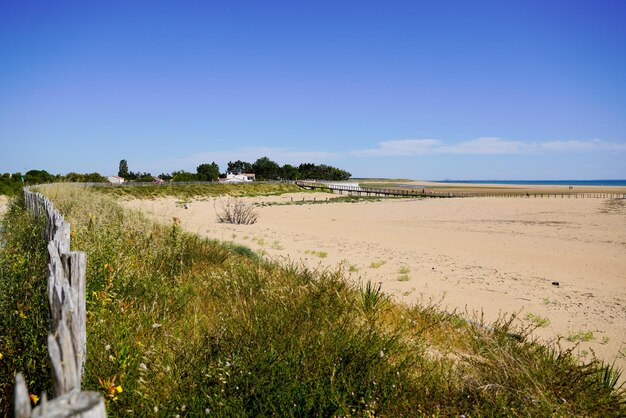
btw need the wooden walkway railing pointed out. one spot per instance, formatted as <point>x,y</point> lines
<point>424,192</point>
<point>67,338</point>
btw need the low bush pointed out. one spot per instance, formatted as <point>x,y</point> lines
<point>236,211</point>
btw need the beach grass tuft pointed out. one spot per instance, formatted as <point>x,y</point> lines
<point>537,320</point>
<point>378,264</point>
<point>403,274</point>
<point>320,254</point>
<point>581,336</point>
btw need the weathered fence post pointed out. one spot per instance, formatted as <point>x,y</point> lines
<point>67,340</point>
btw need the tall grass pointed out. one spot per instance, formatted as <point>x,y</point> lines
<point>23,303</point>
<point>179,325</point>
<point>188,191</point>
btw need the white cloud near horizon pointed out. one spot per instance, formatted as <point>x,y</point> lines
<point>392,148</point>
<point>591,145</point>
<point>483,145</point>
<point>400,147</point>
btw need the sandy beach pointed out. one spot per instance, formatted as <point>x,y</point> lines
<point>4,200</point>
<point>473,255</point>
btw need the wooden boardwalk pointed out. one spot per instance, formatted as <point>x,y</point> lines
<point>425,192</point>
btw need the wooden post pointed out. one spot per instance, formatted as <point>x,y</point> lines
<point>21,401</point>
<point>67,340</point>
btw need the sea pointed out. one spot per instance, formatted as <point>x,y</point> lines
<point>543,182</point>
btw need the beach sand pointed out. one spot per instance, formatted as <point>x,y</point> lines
<point>4,200</point>
<point>476,256</point>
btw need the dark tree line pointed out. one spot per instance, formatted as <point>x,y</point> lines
<point>11,184</point>
<point>263,169</point>
<point>266,169</point>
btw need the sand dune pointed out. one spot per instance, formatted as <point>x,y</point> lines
<point>489,255</point>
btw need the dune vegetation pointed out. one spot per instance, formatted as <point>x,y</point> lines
<point>179,325</point>
<point>199,190</point>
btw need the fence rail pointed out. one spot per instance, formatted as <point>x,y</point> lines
<point>424,192</point>
<point>67,339</point>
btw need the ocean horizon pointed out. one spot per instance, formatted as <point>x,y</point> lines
<point>542,182</point>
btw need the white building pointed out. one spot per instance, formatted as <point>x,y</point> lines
<point>239,178</point>
<point>115,179</point>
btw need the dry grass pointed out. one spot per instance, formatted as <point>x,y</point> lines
<point>236,211</point>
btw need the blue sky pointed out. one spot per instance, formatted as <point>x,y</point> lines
<point>424,90</point>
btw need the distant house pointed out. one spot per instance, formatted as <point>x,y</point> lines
<point>115,179</point>
<point>239,178</point>
<point>158,180</point>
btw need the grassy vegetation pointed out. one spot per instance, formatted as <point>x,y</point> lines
<point>403,274</point>
<point>23,304</point>
<point>339,199</point>
<point>189,191</point>
<point>353,268</point>
<point>320,254</point>
<point>537,320</point>
<point>179,325</point>
<point>378,264</point>
<point>581,336</point>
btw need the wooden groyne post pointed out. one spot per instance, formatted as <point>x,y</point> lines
<point>67,339</point>
<point>403,192</point>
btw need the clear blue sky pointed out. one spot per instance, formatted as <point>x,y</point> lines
<point>420,89</point>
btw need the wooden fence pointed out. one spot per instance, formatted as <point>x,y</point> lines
<point>67,338</point>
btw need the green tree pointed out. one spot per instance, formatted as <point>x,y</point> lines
<point>208,172</point>
<point>94,178</point>
<point>10,184</point>
<point>83,178</point>
<point>145,177</point>
<point>322,172</point>
<point>289,172</point>
<point>266,169</point>
<point>38,177</point>
<point>239,167</point>
<point>183,176</point>
<point>123,170</point>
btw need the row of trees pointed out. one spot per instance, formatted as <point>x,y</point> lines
<point>266,169</point>
<point>11,184</point>
<point>204,172</point>
<point>263,168</point>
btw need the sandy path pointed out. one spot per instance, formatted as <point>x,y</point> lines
<point>493,255</point>
<point>4,200</point>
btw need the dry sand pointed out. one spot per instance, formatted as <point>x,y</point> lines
<point>4,200</point>
<point>490,255</point>
<point>439,187</point>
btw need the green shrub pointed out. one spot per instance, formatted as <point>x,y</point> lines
<point>23,304</point>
